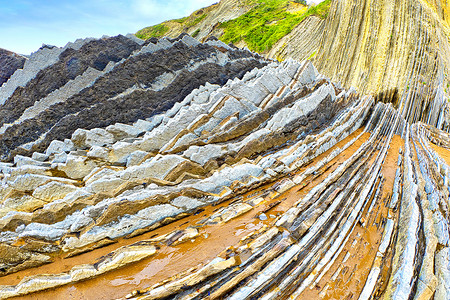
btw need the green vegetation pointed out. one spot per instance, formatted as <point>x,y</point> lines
<point>181,20</point>
<point>161,29</point>
<point>195,34</point>
<point>267,22</point>
<point>195,21</point>
<point>260,28</point>
<point>153,31</point>
<point>320,10</point>
<point>312,55</point>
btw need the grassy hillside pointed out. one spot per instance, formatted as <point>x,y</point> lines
<point>265,23</point>
<point>185,23</point>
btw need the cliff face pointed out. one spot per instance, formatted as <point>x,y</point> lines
<point>257,24</point>
<point>205,20</point>
<point>9,63</point>
<point>107,81</point>
<point>396,50</point>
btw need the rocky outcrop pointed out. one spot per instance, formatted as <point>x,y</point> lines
<point>205,20</point>
<point>124,90</point>
<point>9,63</point>
<point>192,170</point>
<point>405,60</point>
<point>68,63</point>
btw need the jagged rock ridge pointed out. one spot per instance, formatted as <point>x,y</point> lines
<point>235,176</point>
<point>118,77</point>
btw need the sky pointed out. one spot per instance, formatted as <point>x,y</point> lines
<point>27,24</point>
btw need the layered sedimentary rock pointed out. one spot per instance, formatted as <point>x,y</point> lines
<point>206,20</point>
<point>201,171</point>
<point>9,63</point>
<point>397,50</point>
<point>123,79</point>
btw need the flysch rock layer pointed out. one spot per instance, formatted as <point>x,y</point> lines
<point>131,89</point>
<point>201,171</point>
<point>397,50</point>
<point>9,63</point>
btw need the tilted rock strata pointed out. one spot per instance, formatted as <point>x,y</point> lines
<point>308,32</point>
<point>68,64</point>
<point>9,63</point>
<point>148,82</point>
<point>338,195</point>
<point>396,50</point>
<point>206,20</point>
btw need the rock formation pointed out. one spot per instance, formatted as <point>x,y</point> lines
<point>9,63</point>
<point>174,169</point>
<point>122,79</point>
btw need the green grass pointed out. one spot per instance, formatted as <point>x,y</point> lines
<point>152,31</point>
<point>267,23</point>
<point>161,29</point>
<point>195,21</point>
<point>260,28</point>
<point>320,10</point>
<point>195,34</point>
<point>181,20</point>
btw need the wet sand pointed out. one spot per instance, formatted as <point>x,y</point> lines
<point>444,153</point>
<point>347,276</point>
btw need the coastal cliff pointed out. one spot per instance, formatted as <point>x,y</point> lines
<point>170,168</point>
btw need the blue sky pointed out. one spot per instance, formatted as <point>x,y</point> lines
<point>26,24</point>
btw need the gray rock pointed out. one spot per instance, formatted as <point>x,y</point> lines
<point>27,161</point>
<point>39,156</point>
<point>104,185</point>
<point>82,138</point>
<point>205,153</point>
<point>120,152</point>
<point>60,158</point>
<point>77,167</point>
<point>98,152</point>
<point>157,167</point>
<point>53,191</point>
<point>143,125</point>
<point>58,147</point>
<point>186,203</point>
<point>122,131</point>
<point>262,217</point>
<point>136,158</point>
<point>29,182</point>
<point>42,231</point>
